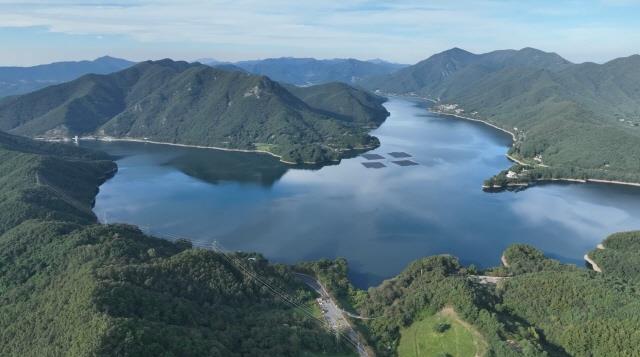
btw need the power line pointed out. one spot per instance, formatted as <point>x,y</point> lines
<point>284,296</point>
<point>274,290</point>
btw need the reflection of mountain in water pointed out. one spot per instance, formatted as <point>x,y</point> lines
<point>216,166</point>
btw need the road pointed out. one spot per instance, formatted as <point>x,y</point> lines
<point>484,279</point>
<point>335,317</point>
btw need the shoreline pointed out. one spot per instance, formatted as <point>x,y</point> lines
<point>513,136</point>
<point>406,96</point>
<point>573,180</point>
<point>564,179</point>
<point>138,140</point>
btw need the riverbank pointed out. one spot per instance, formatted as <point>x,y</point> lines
<point>520,162</point>
<point>513,135</point>
<point>563,179</point>
<point>255,151</point>
<point>137,140</point>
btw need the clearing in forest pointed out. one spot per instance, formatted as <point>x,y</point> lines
<point>442,334</point>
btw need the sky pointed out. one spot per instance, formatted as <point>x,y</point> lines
<point>404,31</point>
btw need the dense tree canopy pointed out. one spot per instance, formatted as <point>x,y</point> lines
<point>71,287</point>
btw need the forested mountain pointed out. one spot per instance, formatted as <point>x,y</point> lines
<point>457,67</point>
<point>194,104</point>
<point>535,307</point>
<point>20,80</point>
<point>582,120</point>
<point>72,287</point>
<point>309,71</point>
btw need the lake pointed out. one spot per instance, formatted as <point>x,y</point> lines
<point>379,219</point>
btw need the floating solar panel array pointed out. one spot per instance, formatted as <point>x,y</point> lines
<point>372,156</point>
<point>399,154</point>
<point>405,163</point>
<point>371,164</point>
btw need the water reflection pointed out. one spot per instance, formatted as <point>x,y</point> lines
<point>379,219</point>
<point>212,166</point>
<point>215,166</point>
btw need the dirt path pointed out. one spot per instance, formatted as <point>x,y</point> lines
<point>485,279</point>
<point>478,341</point>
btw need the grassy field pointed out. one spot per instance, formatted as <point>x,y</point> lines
<point>459,340</point>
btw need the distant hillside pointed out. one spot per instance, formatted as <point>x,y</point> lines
<point>581,120</point>
<point>309,71</point>
<point>20,80</point>
<point>434,75</point>
<point>194,104</point>
<point>343,101</point>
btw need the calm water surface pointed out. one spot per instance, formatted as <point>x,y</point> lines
<point>379,219</point>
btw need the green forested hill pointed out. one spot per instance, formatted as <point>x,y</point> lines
<point>71,287</point>
<point>538,307</point>
<point>194,104</point>
<point>582,120</point>
<point>619,255</point>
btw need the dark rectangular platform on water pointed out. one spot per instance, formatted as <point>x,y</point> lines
<point>373,165</point>
<point>399,154</point>
<point>372,156</point>
<point>405,163</point>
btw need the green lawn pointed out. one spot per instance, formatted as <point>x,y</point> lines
<point>459,340</point>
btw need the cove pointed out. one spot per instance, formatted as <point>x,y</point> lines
<point>378,219</point>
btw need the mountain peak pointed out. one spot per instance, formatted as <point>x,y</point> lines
<point>456,51</point>
<point>110,59</point>
<point>532,50</point>
<point>456,54</point>
<point>168,62</point>
<point>105,58</point>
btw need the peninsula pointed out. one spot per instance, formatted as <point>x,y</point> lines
<point>196,105</point>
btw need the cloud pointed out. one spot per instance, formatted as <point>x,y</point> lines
<point>589,220</point>
<point>404,30</point>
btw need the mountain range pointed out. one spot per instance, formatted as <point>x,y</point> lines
<point>20,80</point>
<point>195,104</point>
<point>310,71</point>
<point>298,71</point>
<point>571,120</point>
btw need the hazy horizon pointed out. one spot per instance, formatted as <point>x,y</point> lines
<point>207,59</point>
<point>405,31</point>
